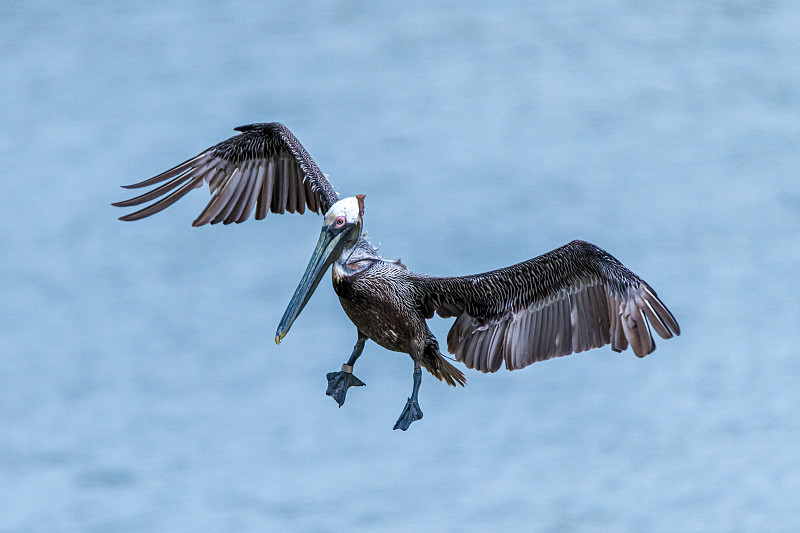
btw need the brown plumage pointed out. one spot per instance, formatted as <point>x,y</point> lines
<point>569,300</point>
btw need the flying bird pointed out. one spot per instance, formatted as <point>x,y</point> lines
<point>565,301</point>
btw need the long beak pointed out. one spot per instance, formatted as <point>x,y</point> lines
<point>329,248</point>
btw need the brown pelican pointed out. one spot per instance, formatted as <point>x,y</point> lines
<point>569,300</point>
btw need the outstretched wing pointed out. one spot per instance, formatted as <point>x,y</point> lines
<point>264,168</point>
<point>566,301</point>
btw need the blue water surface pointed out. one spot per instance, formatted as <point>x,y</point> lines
<point>140,387</point>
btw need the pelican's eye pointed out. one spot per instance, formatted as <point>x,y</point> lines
<point>339,222</point>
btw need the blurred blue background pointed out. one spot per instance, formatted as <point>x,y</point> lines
<point>140,387</point>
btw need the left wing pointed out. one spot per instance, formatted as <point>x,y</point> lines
<point>569,300</point>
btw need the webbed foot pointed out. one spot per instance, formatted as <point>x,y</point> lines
<point>339,382</point>
<point>411,412</point>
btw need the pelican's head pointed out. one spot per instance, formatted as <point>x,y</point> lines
<point>340,231</point>
<point>345,216</point>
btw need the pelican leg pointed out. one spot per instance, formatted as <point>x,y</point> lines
<point>411,412</point>
<point>339,382</point>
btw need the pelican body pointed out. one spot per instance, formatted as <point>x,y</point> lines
<point>569,300</point>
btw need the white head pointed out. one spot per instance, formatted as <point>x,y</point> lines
<point>345,211</point>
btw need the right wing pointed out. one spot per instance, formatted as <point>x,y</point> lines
<point>264,168</point>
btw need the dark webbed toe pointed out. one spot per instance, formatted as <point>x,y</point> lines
<point>339,382</point>
<point>411,413</point>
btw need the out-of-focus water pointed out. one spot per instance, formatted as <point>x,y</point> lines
<point>140,389</point>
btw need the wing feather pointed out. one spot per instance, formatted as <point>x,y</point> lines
<point>645,337</point>
<point>248,200</point>
<point>469,354</point>
<point>301,194</point>
<point>548,334</point>
<point>216,180</point>
<point>174,171</point>
<point>161,204</point>
<point>311,198</point>
<point>578,321</point>
<point>525,335</point>
<point>291,187</point>
<point>235,186</point>
<point>600,329</point>
<point>230,213</point>
<point>553,330</point>
<point>494,355</point>
<point>538,331</point>
<point>263,168</point>
<point>620,339</point>
<point>661,311</point>
<point>150,195</point>
<point>572,299</point>
<point>219,200</point>
<point>255,192</point>
<point>265,198</point>
<point>517,346</point>
<point>652,317</point>
<point>629,327</point>
<point>564,338</point>
<point>508,347</point>
<point>281,191</point>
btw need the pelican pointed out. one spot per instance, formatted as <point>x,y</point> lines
<point>566,301</point>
